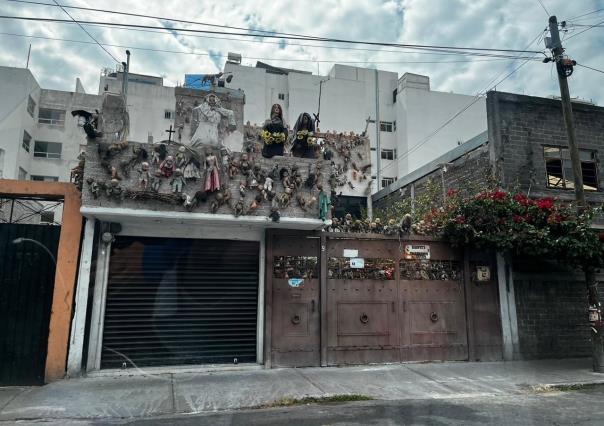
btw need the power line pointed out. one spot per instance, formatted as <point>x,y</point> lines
<point>89,35</point>
<point>585,14</point>
<point>333,40</point>
<point>544,9</point>
<point>458,113</point>
<point>248,57</point>
<point>591,68</point>
<point>586,29</point>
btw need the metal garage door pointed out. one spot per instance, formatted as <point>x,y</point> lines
<point>180,301</point>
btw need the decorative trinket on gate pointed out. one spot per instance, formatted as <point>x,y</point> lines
<point>167,166</point>
<point>178,181</point>
<point>144,176</point>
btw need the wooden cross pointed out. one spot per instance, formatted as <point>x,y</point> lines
<point>170,131</point>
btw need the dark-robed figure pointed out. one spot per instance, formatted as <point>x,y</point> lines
<point>304,137</point>
<point>274,133</point>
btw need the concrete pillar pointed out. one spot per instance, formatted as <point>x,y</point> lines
<point>78,323</point>
<point>507,298</point>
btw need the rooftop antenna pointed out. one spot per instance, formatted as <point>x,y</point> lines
<point>28,53</point>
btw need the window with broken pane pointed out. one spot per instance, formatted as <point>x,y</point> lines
<point>377,268</point>
<point>431,270</point>
<point>558,168</point>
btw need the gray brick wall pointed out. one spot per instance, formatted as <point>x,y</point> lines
<point>519,127</point>
<point>552,316</point>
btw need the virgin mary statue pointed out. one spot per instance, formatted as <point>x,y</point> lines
<point>206,120</point>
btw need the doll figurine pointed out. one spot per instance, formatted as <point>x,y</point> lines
<point>233,168</point>
<point>177,182</point>
<point>242,187</point>
<point>144,176</point>
<point>239,208</point>
<point>167,166</point>
<point>255,203</point>
<point>212,182</point>
<point>268,184</point>
<point>191,170</point>
<point>181,157</point>
<point>275,215</point>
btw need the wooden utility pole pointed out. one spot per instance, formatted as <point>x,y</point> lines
<point>562,65</point>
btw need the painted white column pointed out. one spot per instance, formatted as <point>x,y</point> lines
<point>507,298</point>
<point>78,323</point>
<point>95,343</point>
<point>260,321</point>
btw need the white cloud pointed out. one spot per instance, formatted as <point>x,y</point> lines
<point>478,23</point>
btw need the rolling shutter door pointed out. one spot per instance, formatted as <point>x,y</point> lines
<point>180,301</point>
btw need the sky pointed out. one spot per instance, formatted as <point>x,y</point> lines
<point>509,24</point>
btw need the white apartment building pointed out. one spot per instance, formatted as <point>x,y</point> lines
<point>40,140</point>
<point>407,110</point>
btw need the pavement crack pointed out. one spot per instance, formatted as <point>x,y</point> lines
<point>173,393</point>
<point>310,381</point>
<point>13,398</point>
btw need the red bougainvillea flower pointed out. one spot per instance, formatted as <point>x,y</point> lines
<point>517,218</point>
<point>522,199</point>
<point>545,203</point>
<point>451,192</point>
<point>460,219</point>
<point>499,195</point>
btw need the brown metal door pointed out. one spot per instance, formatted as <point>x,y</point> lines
<point>361,302</point>
<point>432,313</point>
<point>293,266</point>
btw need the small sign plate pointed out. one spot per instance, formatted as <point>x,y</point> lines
<point>417,251</point>
<point>358,263</point>
<point>351,253</point>
<point>295,282</point>
<point>483,273</point>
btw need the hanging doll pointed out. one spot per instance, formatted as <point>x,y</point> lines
<point>177,182</point>
<point>212,182</point>
<point>323,203</point>
<point>144,176</point>
<point>167,166</point>
<point>191,170</point>
<point>181,157</point>
<point>304,140</point>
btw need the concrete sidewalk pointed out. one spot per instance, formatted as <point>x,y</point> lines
<point>165,394</point>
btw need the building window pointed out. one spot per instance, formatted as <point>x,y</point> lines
<point>47,217</point>
<point>386,126</point>
<point>388,154</point>
<point>394,93</point>
<point>55,117</point>
<point>26,142</point>
<point>31,106</point>
<point>282,96</point>
<point>41,178</point>
<point>47,149</point>
<point>559,172</point>
<point>22,174</point>
<point>387,181</point>
<point>168,114</point>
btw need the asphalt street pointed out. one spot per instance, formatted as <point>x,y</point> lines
<point>584,407</point>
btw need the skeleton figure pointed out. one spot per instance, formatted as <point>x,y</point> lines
<point>181,157</point>
<point>177,182</point>
<point>144,176</point>
<point>167,166</point>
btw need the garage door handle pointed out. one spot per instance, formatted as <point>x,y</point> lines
<point>364,318</point>
<point>296,319</point>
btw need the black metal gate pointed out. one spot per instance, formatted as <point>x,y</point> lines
<point>180,301</point>
<point>27,273</point>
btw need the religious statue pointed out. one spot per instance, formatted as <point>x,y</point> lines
<point>274,133</point>
<point>304,142</point>
<point>206,120</point>
<point>323,203</point>
<point>212,182</point>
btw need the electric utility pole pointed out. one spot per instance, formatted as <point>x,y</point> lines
<point>564,68</point>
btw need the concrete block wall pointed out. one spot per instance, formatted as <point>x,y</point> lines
<point>552,316</point>
<point>519,127</point>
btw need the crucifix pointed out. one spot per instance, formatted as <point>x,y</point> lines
<point>169,132</point>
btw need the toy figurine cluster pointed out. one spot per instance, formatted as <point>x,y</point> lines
<point>374,226</point>
<point>178,174</point>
